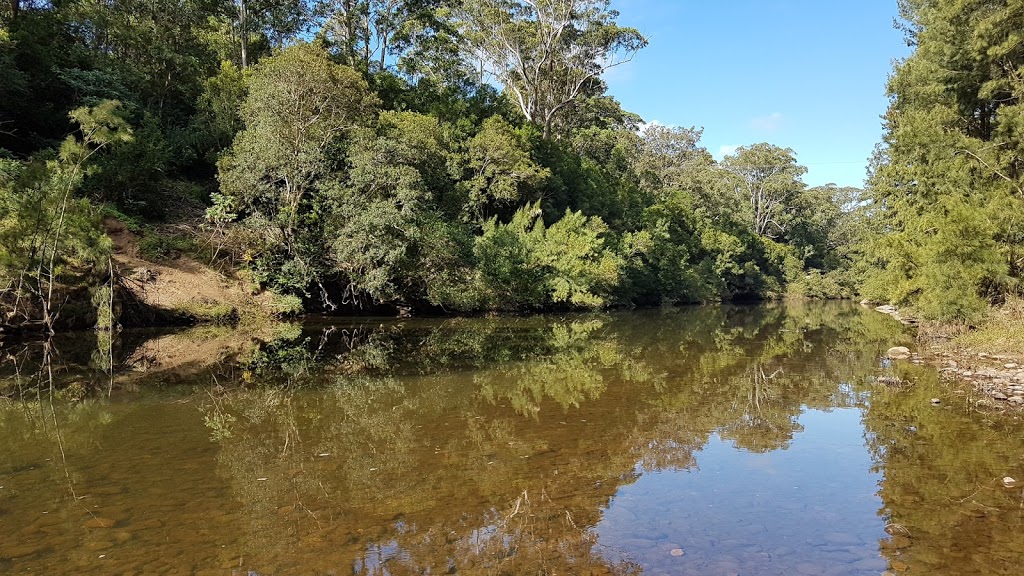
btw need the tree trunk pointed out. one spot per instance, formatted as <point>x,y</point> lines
<point>15,9</point>
<point>243,32</point>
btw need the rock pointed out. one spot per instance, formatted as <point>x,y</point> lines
<point>1009,482</point>
<point>999,396</point>
<point>99,522</point>
<point>899,566</point>
<point>936,401</point>
<point>895,542</point>
<point>890,381</point>
<point>1018,400</point>
<point>898,353</point>
<point>1010,365</point>
<point>676,552</point>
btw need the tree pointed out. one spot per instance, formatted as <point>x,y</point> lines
<point>386,219</point>
<point>500,168</point>
<point>299,107</point>
<point>366,33</point>
<point>275,21</point>
<point>48,236</point>
<point>948,182</point>
<point>767,178</point>
<point>548,53</point>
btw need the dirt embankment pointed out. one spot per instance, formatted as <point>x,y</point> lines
<point>183,286</point>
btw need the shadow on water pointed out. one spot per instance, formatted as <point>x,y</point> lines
<point>713,440</point>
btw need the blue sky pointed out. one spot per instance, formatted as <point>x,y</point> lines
<point>803,74</point>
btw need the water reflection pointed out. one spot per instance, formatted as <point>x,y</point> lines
<point>718,440</point>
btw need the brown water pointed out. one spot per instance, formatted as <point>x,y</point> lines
<point>704,441</point>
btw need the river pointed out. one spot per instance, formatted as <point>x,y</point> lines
<point>718,440</point>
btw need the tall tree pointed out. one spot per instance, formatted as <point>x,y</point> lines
<point>300,105</point>
<point>548,53</point>
<point>948,180</point>
<point>367,33</point>
<point>767,178</point>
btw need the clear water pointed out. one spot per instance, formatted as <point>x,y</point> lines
<point>704,441</point>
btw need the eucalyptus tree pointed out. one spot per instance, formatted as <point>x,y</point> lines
<point>272,21</point>
<point>548,54</point>
<point>767,184</point>
<point>369,33</point>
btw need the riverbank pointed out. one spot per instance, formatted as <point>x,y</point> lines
<point>988,358</point>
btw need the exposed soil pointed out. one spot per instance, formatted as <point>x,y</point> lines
<point>183,284</point>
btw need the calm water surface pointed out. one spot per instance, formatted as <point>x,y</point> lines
<point>703,441</point>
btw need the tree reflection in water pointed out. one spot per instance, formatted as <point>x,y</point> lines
<point>493,445</point>
<point>488,446</point>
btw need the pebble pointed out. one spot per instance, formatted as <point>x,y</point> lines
<point>677,552</point>
<point>936,401</point>
<point>1010,365</point>
<point>1016,400</point>
<point>1009,482</point>
<point>999,396</point>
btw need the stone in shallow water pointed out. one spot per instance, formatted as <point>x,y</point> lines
<point>676,552</point>
<point>899,566</point>
<point>896,542</point>
<point>898,352</point>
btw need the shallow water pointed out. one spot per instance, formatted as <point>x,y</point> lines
<point>704,441</point>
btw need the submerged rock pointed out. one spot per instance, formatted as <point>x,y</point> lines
<point>898,353</point>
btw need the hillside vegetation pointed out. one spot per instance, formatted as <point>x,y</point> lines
<point>461,156</point>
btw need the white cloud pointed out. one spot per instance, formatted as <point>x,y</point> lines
<point>769,123</point>
<point>726,150</point>
<point>655,123</point>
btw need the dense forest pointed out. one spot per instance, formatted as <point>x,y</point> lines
<point>465,155</point>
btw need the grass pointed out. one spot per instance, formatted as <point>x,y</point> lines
<point>1000,333</point>
<point>159,246</point>
<point>218,314</point>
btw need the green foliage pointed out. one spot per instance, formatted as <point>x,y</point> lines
<point>377,166</point>
<point>501,171</point>
<point>47,236</point>
<point>159,246</point>
<point>299,109</point>
<point>524,264</point>
<point>946,184</point>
